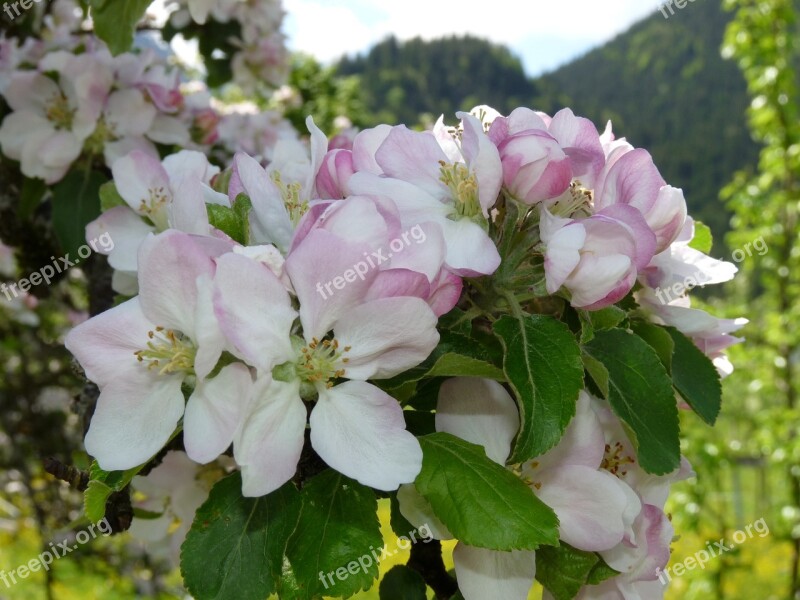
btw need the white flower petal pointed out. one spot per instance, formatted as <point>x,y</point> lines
<point>138,177</point>
<point>105,344</point>
<point>207,331</point>
<point>386,337</point>
<point>135,416</point>
<point>215,411</point>
<point>479,411</point>
<point>590,505</point>
<point>271,223</point>
<point>254,311</point>
<point>359,430</point>
<point>128,113</point>
<point>484,573</point>
<point>169,130</point>
<point>583,442</point>
<point>169,265</point>
<point>269,445</point>
<point>127,230</point>
<point>470,252</point>
<point>419,513</point>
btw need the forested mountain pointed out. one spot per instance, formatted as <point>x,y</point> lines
<point>403,80</point>
<point>665,87</point>
<point>663,83</point>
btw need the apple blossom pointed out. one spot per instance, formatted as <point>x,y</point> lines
<point>568,478</point>
<point>535,166</point>
<point>453,185</point>
<point>596,259</point>
<point>355,427</point>
<point>174,490</point>
<point>158,196</point>
<point>140,352</point>
<point>49,124</point>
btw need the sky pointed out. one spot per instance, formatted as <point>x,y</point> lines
<point>543,33</point>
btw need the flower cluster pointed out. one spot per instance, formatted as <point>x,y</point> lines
<point>73,104</point>
<point>272,304</point>
<point>202,295</point>
<point>259,52</point>
<point>605,502</point>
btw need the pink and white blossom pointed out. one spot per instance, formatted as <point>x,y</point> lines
<point>450,183</point>
<point>139,353</point>
<point>597,259</point>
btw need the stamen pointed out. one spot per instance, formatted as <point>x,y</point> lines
<point>463,187</point>
<point>59,112</point>
<point>615,460</point>
<point>319,362</point>
<point>167,352</point>
<point>575,202</point>
<point>290,193</point>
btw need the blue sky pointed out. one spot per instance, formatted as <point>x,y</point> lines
<point>544,33</point>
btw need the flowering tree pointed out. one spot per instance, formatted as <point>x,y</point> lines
<point>486,323</point>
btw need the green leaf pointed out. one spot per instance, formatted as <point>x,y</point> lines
<point>224,219</point>
<point>597,372</point>
<point>109,197</point>
<point>116,480</point>
<point>426,395</point>
<point>331,551</point>
<point>115,21</point>
<point>241,208</point>
<point>641,395</point>
<point>601,572</point>
<point>563,570</point>
<point>420,422</point>
<point>94,500</point>
<point>233,221</point>
<point>147,515</point>
<point>597,320</point>
<point>482,503</point>
<point>658,339</point>
<point>543,366</point>
<point>456,355</point>
<point>236,545</point>
<point>456,320</point>
<point>702,240</point>
<point>404,393</point>
<point>101,485</point>
<point>457,365</point>
<point>402,583</point>
<point>695,377</point>
<point>33,191</point>
<point>76,202</point>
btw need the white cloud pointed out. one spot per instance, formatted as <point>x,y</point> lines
<point>328,31</point>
